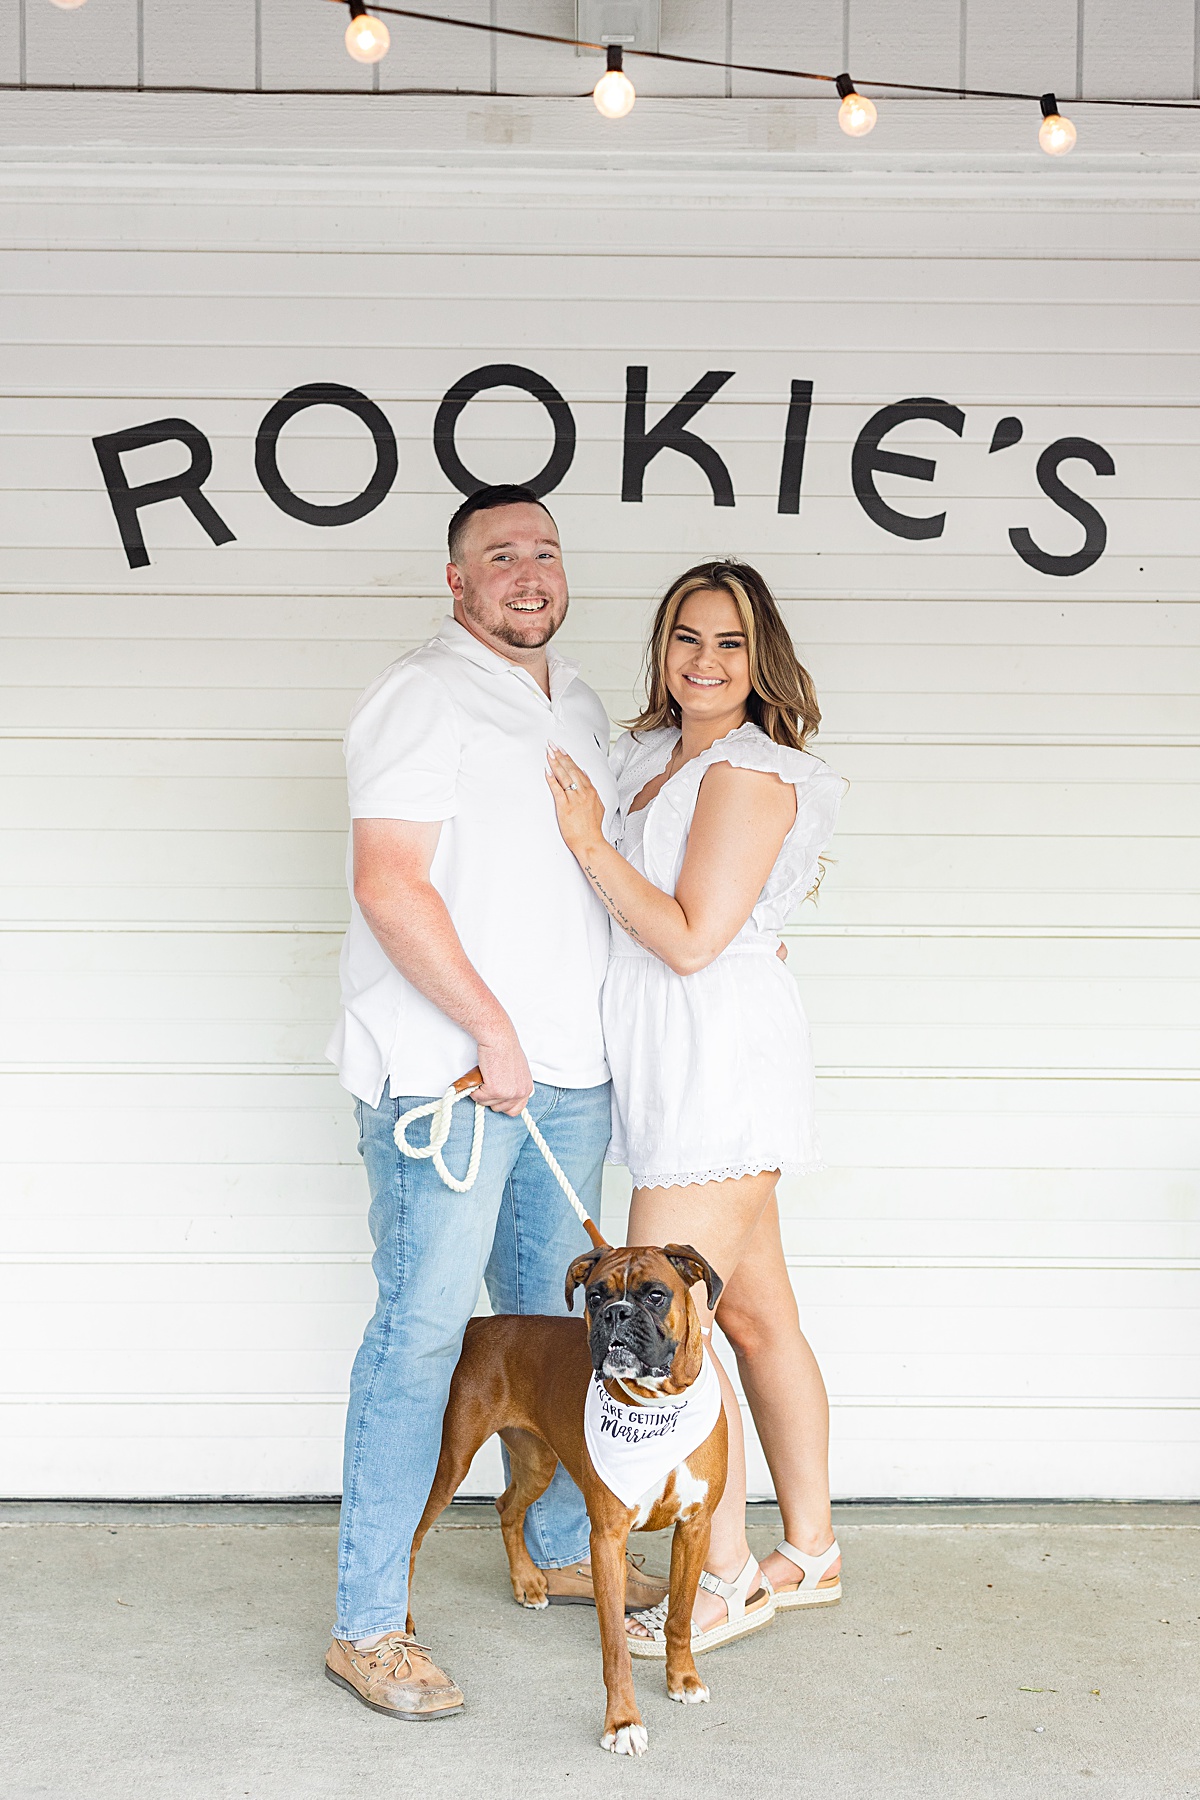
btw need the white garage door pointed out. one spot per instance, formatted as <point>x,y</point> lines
<point>998,1268</point>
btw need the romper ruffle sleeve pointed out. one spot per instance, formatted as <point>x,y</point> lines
<point>818,796</point>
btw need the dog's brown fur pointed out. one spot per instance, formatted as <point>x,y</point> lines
<point>527,1378</point>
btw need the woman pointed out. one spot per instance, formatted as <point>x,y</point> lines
<point>722,820</point>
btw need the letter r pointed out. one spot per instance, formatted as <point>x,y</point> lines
<point>128,501</point>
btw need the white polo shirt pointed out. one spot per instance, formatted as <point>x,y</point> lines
<point>455,732</point>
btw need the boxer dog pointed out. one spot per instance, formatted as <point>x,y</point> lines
<point>528,1378</point>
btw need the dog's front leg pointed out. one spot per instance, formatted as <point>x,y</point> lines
<point>624,1733</point>
<point>689,1546</point>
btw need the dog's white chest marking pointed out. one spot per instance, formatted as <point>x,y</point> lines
<point>690,1492</point>
<point>689,1496</point>
<point>636,1449</point>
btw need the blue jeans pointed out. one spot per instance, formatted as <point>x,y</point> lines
<point>432,1248</point>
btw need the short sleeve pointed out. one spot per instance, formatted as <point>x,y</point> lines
<point>402,749</point>
<point>818,796</point>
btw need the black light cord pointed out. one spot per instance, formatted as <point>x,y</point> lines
<point>708,62</point>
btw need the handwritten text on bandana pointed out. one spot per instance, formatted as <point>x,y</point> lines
<point>634,1448</point>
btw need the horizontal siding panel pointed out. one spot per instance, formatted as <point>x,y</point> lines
<point>328,221</point>
<point>875,567</point>
<point>978,1050</point>
<point>394,622</point>
<point>1156,972</point>
<point>214,1118</point>
<point>251,711</point>
<point>822,326</point>
<point>845,668</point>
<point>147,1451</point>
<point>906,1309</point>
<point>36,757</point>
<point>986,891</point>
<point>627,271</point>
<point>949,808</point>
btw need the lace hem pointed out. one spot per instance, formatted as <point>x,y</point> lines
<point>700,1177</point>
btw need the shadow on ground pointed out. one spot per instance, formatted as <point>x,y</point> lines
<point>175,1652</point>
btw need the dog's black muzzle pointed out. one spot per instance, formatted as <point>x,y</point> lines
<point>628,1342</point>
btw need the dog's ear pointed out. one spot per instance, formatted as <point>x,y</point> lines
<point>578,1273</point>
<point>694,1267</point>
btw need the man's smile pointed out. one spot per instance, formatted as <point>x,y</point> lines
<point>535,603</point>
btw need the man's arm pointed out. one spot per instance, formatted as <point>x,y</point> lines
<point>392,859</point>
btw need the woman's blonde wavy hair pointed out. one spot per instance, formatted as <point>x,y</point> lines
<point>783,701</point>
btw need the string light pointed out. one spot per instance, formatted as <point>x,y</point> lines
<point>856,114</point>
<point>614,92</point>
<point>367,39</point>
<point>1056,135</point>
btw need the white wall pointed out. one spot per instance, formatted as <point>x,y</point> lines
<point>998,1269</point>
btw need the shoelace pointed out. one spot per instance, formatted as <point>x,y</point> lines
<point>396,1651</point>
<point>636,1558</point>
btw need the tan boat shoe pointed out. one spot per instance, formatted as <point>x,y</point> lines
<point>573,1587</point>
<point>396,1676</point>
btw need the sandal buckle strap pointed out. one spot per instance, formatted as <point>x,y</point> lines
<point>812,1567</point>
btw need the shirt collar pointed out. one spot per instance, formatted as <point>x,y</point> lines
<point>457,638</point>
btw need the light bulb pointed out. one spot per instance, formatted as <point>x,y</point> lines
<point>367,39</point>
<point>68,5</point>
<point>856,114</point>
<point>614,92</point>
<point>1056,135</point>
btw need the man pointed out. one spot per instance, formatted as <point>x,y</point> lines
<point>473,939</point>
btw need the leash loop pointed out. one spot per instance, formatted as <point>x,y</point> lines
<point>440,1112</point>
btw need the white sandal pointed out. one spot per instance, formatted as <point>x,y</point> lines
<point>808,1592</point>
<point>743,1612</point>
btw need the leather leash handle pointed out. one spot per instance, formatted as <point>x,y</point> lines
<point>473,1079</point>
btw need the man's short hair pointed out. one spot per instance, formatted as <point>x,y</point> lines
<point>486,499</point>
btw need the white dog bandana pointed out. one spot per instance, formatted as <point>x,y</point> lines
<point>634,1448</point>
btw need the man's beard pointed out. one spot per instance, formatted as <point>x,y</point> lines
<point>538,632</point>
<point>521,640</point>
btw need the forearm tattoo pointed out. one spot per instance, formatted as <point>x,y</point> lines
<point>608,900</point>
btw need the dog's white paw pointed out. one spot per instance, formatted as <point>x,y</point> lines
<point>630,1740</point>
<point>695,1696</point>
<point>534,1605</point>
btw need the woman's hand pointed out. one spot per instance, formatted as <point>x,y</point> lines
<point>579,807</point>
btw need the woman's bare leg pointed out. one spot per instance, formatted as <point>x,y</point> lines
<point>757,1312</point>
<point>718,1218</point>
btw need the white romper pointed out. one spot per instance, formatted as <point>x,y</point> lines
<point>712,1073</point>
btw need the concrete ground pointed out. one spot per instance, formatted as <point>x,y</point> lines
<point>174,1653</point>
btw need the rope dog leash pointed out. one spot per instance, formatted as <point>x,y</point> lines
<point>439,1113</point>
